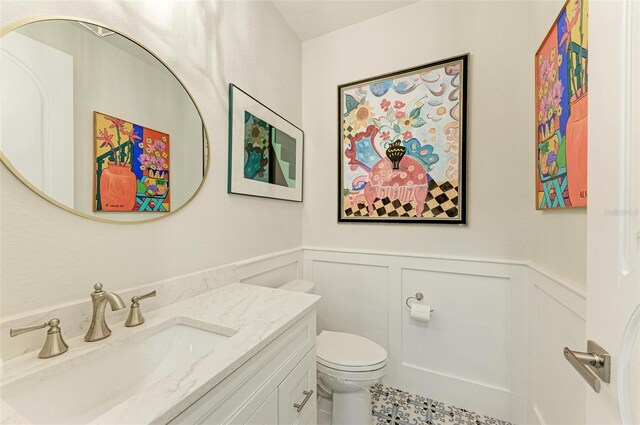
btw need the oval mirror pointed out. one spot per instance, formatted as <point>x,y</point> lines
<point>96,124</point>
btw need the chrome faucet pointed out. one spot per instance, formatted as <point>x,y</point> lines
<point>99,298</point>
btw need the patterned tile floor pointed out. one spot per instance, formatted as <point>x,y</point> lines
<point>396,407</point>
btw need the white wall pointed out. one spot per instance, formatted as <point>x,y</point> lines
<point>45,250</point>
<point>557,295</point>
<point>49,256</point>
<point>499,160</point>
<point>530,312</point>
<point>559,237</point>
<point>473,353</point>
<point>502,222</point>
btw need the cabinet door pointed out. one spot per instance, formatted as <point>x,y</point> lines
<point>297,393</point>
<point>313,420</point>
<point>267,413</point>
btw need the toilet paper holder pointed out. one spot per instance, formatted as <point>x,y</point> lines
<point>418,297</point>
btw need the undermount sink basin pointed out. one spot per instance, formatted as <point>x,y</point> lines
<point>86,387</point>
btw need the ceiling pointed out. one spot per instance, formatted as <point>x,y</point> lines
<point>312,18</point>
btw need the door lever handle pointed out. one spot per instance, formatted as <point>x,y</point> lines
<point>593,366</point>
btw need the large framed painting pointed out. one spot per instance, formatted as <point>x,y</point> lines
<point>402,145</point>
<point>561,89</point>
<point>265,150</point>
<point>131,165</point>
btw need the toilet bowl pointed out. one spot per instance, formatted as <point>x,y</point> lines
<point>347,366</point>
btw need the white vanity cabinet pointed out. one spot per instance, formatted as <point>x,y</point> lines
<point>267,413</point>
<point>297,393</point>
<point>264,390</point>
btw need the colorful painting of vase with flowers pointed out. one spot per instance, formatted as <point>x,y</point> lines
<point>561,110</point>
<point>131,166</point>
<point>402,145</point>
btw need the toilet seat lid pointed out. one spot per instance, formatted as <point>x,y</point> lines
<point>344,351</point>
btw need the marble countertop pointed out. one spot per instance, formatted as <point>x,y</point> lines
<point>255,316</point>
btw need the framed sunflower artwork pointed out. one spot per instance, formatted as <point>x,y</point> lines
<point>402,145</point>
<point>265,150</point>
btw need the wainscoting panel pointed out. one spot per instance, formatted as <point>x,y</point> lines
<point>494,344</point>
<point>557,319</point>
<point>468,335</point>
<point>473,352</point>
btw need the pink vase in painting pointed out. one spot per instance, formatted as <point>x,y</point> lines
<point>577,152</point>
<point>117,188</point>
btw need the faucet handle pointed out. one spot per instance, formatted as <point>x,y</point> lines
<point>19,331</point>
<point>135,315</point>
<point>98,287</point>
<point>54,345</point>
<point>137,298</point>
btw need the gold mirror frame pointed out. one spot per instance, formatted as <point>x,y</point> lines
<point>206,147</point>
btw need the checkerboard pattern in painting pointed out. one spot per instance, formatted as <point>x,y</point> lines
<point>396,407</point>
<point>441,202</point>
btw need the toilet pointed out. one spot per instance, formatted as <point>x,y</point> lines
<point>347,366</point>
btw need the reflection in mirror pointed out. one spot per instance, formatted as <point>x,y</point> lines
<point>96,124</point>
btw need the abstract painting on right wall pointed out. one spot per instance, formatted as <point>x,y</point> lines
<point>561,110</point>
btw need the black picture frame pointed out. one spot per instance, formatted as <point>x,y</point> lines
<point>461,218</point>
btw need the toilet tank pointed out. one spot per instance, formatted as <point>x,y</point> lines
<point>299,286</point>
